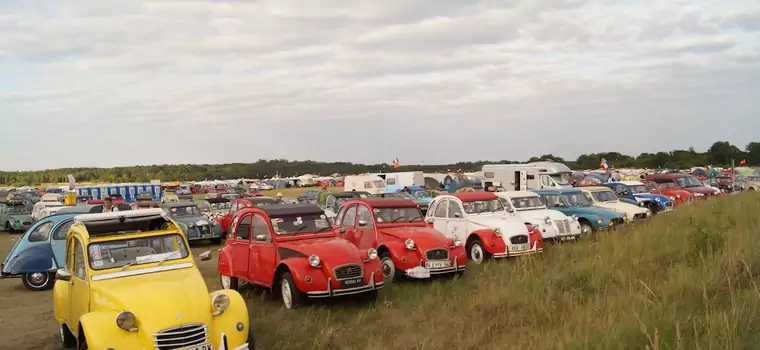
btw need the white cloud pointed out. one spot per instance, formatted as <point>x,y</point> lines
<point>368,81</point>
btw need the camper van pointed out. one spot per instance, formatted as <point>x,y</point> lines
<point>530,176</point>
<point>406,178</point>
<point>369,183</point>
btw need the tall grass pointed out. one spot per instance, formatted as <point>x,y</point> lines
<point>686,280</point>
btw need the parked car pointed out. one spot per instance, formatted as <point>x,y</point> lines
<point>145,205</point>
<point>677,195</point>
<point>15,216</point>
<point>231,196</point>
<point>572,202</point>
<point>194,224</point>
<point>397,230</point>
<point>684,182</point>
<point>292,250</point>
<point>637,191</point>
<point>214,208</point>
<point>422,204</point>
<point>480,221</point>
<point>308,197</point>
<point>553,224</point>
<point>131,283</point>
<point>603,196</point>
<point>335,201</point>
<point>170,197</point>
<point>749,183</point>
<point>419,192</point>
<point>239,204</point>
<point>39,209</point>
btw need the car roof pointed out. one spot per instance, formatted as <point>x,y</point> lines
<point>559,190</point>
<point>388,202</point>
<point>596,188</point>
<point>291,209</point>
<point>177,204</point>
<point>475,196</point>
<point>217,200</point>
<point>629,183</point>
<point>518,194</point>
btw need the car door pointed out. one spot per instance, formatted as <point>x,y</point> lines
<point>241,247</point>
<point>457,225</point>
<point>226,220</point>
<point>58,240</point>
<point>263,253</point>
<point>364,233</point>
<point>79,291</point>
<point>440,221</point>
<point>348,223</point>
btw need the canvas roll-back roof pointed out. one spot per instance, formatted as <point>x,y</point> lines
<point>123,222</point>
<point>217,200</point>
<point>377,202</point>
<point>475,196</point>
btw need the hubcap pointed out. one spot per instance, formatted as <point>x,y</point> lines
<point>287,297</point>
<point>226,282</point>
<point>37,278</point>
<point>388,268</point>
<point>476,253</point>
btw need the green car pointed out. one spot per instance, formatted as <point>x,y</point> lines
<point>15,216</point>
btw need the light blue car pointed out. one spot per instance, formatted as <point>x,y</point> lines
<point>419,192</point>
<point>573,203</point>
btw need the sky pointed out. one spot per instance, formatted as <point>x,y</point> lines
<point>120,83</point>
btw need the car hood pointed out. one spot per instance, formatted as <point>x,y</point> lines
<point>332,251</point>
<point>21,217</point>
<point>702,190</point>
<point>541,214</point>
<point>191,219</point>
<point>509,225</point>
<point>605,214</point>
<point>652,196</point>
<point>420,235</point>
<point>620,207</point>
<point>153,298</point>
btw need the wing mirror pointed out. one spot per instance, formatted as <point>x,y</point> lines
<point>63,275</point>
<point>510,210</point>
<point>457,215</point>
<point>260,238</point>
<point>341,230</point>
<point>362,223</point>
<point>205,256</point>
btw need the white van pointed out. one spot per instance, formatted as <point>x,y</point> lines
<point>405,178</point>
<point>369,183</point>
<point>530,176</point>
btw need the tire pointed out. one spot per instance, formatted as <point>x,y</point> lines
<point>586,228</point>
<point>8,227</point>
<point>476,252</point>
<point>67,338</point>
<point>389,268</point>
<point>216,241</point>
<point>292,297</point>
<point>251,338</point>
<point>751,189</point>
<point>37,281</point>
<point>228,282</point>
<point>370,296</point>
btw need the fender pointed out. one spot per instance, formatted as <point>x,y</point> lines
<point>101,332</point>
<point>299,268</point>
<point>398,250</point>
<point>224,264</point>
<point>592,220</point>
<point>227,322</point>
<point>60,298</point>
<point>36,258</point>
<point>492,243</point>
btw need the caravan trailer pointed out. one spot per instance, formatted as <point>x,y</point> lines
<point>368,183</point>
<point>406,178</point>
<point>530,176</point>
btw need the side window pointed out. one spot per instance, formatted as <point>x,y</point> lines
<point>350,217</point>
<point>545,180</point>
<point>234,208</point>
<point>367,184</point>
<point>391,181</point>
<point>454,209</point>
<point>553,200</point>
<point>364,215</point>
<point>244,227</point>
<point>70,255</point>
<point>80,269</point>
<point>431,208</point>
<point>339,215</point>
<point>589,197</point>
<point>62,230</point>
<point>440,209</point>
<point>260,228</point>
<point>650,186</point>
<point>233,226</point>
<point>41,233</point>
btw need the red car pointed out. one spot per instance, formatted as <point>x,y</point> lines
<point>293,250</point>
<point>683,182</point>
<point>397,229</point>
<point>677,195</point>
<point>239,204</point>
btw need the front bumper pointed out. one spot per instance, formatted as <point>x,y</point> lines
<point>330,292</point>
<point>440,270</point>
<point>19,226</point>
<point>533,250</point>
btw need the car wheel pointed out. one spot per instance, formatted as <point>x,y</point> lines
<point>216,241</point>
<point>476,253</point>
<point>83,345</point>
<point>8,227</point>
<point>389,268</point>
<point>67,339</point>
<point>586,229</point>
<point>751,189</point>
<point>228,282</point>
<point>36,281</point>
<point>291,296</point>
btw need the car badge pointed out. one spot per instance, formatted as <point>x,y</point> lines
<point>179,315</point>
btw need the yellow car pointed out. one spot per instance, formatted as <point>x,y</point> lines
<point>130,282</point>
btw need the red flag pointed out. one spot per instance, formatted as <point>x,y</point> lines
<point>744,161</point>
<point>396,164</point>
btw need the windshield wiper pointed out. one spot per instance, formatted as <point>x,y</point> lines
<point>328,228</point>
<point>299,229</point>
<point>397,219</point>
<point>128,265</point>
<point>166,257</point>
<point>416,218</point>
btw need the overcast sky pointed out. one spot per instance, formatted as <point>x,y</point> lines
<point>107,83</point>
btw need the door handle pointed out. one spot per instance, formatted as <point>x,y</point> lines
<point>234,243</point>
<point>250,246</point>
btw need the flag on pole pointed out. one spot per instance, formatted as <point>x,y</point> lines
<point>709,167</point>
<point>396,164</point>
<point>604,164</point>
<point>744,161</point>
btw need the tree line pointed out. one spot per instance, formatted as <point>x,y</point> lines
<point>719,154</point>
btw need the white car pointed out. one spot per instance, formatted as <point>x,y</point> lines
<point>480,220</point>
<point>602,196</point>
<point>553,224</point>
<point>37,210</point>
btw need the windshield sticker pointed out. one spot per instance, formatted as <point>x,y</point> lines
<point>277,221</point>
<point>97,263</point>
<point>376,210</point>
<point>95,253</point>
<point>298,222</point>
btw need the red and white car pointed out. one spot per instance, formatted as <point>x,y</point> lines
<point>480,220</point>
<point>293,250</point>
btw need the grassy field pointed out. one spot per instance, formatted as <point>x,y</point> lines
<point>686,280</point>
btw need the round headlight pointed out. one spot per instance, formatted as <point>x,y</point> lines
<point>372,253</point>
<point>657,199</point>
<point>409,244</point>
<point>599,221</point>
<point>548,220</point>
<point>314,260</point>
<point>678,196</point>
<point>190,225</point>
<point>126,320</point>
<point>574,217</point>
<point>457,243</point>
<point>497,231</point>
<point>221,302</point>
<point>672,198</point>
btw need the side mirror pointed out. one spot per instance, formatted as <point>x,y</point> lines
<point>362,223</point>
<point>260,238</point>
<point>341,230</point>
<point>429,220</point>
<point>205,256</point>
<point>510,210</point>
<point>457,215</point>
<point>63,275</point>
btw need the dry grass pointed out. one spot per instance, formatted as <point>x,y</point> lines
<point>687,280</point>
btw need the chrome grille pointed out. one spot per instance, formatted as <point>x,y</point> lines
<point>348,271</point>
<point>618,221</point>
<point>204,229</point>
<point>519,239</point>
<point>640,216</point>
<point>437,254</point>
<point>180,337</point>
<point>562,226</point>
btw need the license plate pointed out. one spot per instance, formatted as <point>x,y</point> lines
<point>567,238</point>
<point>351,283</point>
<point>437,264</point>
<point>418,272</point>
<point>518,247</point>
<point>206,346</point>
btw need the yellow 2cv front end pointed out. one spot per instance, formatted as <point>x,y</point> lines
<point>130,282</point>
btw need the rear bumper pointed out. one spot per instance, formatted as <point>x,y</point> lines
<point>330,292</point>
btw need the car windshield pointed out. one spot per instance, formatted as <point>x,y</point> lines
<point>688,181</point>
<point>190,210</point>
<point>604,196</point>
<point>477,207</point>
<point>136,251</point>
<point>390,215</point>
<point>18,209</point>
<point>576,199</point>
<point>636,189</point>
<point>422,194</point>
<point>295,224</point>
<point>559,179</point>
<point>527,203</point>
